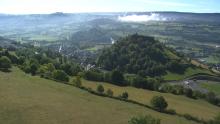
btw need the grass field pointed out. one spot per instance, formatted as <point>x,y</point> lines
<point>181,104</point>
<point>25,99</point>
<point>189,72</point>
<point>211,86</point>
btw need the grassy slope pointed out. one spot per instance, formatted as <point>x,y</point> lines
<point>181,104</point>
<point>32,100</point>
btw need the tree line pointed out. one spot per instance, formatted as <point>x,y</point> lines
<point>39,61</point>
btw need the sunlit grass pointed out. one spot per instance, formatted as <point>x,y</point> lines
<point>25,99</point>
<point>181,104</point>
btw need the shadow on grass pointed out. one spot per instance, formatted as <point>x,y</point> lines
<point>5,70</point>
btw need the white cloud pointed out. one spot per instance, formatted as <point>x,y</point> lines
<point>142,18</point>
<point>166,3</point>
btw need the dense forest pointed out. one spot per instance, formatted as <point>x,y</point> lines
<point>141,55</point>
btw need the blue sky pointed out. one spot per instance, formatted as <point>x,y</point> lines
<point>70,6</point>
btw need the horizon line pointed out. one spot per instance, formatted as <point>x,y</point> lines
<point>107,12</point>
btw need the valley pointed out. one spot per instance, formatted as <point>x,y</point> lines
<point>109,67</point>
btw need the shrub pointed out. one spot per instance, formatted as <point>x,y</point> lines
<point>33,69</point>
<point>198,94</point>
<point>5,63</point>
<point>124,95</point>
<point>138,81</point>
<point>93,75</point>
<point>60,75</point>
<point>100,89</point>
<point>109,92</point>
<point>188,92</point>
<point>159,103</point>
<point>13,58</point>
<point>77,81</point>
<point>178,89</point>
<point>211,97</point>
<point>143,82</point>
<point>171,111</point>
<point>190,117</point>
<point>167,88</point>
<point>144,120</point>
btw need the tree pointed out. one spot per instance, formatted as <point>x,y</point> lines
<point>33,69</point>
<point>13,58</point>
<point>117,77</point>
<point>67,68</point>
<point>144,120</point>
<point>50,67</point>
<point>77,81</point>
<point>211,97</point>
<point>107,77</point>
<point>176,67</point>
<point>33,65</point>
<point>93,75</point>
<point>159,103</point>
<point>124,95</point>
<point>188,92</point>
<point>109,92</point>
<point>139,82</point>
<point>167,88</point>
<point>5,63</point>
<point>179,89</point>
<point>60,75</point>
<point>21,60</point>
<point>70,68</point>
<point>46,70</point>
<point>100,89</point>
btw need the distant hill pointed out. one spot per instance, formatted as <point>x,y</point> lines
<point>95,35</point>
<point>141,55</point>
<point>65,24</point>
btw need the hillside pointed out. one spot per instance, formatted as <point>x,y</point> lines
<point>26,99</point>
<point>181,104</point>
<point>141,55</point>
<point>90,36</point>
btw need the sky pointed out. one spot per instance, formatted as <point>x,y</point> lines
<point>76,6</point>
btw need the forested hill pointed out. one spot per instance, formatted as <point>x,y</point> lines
<point>141,55</point>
